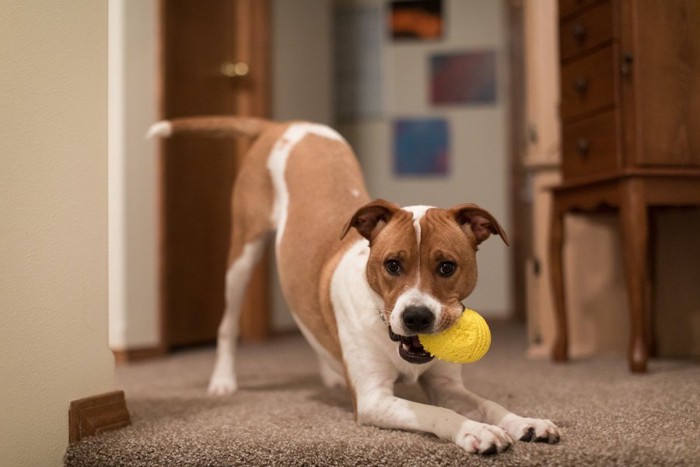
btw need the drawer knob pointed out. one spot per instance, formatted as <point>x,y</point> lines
<point>581,85</point>
<point>583,147</point>
<point>626,66</point>
<point>579,33</point>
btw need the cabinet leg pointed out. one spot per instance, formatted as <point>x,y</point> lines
<point>560,350</point>
<point>634,218</point>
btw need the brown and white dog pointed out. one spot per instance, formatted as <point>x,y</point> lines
<point>362,278</point>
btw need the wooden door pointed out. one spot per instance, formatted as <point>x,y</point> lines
<point>200,44</point>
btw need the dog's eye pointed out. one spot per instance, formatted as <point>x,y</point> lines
<point>393,267</point>
<point>446,268</point>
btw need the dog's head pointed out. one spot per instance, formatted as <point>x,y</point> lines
<point>423,264</point>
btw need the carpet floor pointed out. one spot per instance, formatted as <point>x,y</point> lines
<point>283,415</point>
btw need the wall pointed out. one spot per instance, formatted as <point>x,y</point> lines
<point>479,135</point>
<point>133,210</point>
<point>301,60</point>
<point>676,267</point>
<point>53,233</point>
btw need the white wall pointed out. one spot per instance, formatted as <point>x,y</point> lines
<point>301,60</point>
<point>479,171</point>
<point>133,210</point>
<point>53,227</point>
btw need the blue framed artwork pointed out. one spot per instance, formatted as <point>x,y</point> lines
<point>463,78</point>
<point>421,147</point>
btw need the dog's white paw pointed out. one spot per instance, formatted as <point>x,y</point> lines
<point>222,386</point>
<point>475,437</point>
<point>530,429</point>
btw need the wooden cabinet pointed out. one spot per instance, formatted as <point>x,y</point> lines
<point>630,114</point>
<point>629,81</point>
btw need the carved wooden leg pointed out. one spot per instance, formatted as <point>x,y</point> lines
<point>634,218</point>
<point>560,350</point>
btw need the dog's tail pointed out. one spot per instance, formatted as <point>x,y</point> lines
<point>218,126</point>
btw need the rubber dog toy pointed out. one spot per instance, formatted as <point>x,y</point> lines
<point>466,341</point>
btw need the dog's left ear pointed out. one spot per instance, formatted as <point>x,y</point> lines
<point>371,218</point>
<point>481,223</point>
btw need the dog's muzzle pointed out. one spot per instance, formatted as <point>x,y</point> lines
<point>410,348</point>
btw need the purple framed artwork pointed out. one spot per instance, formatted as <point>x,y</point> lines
<point>421,147</point>
<point>463,78</point>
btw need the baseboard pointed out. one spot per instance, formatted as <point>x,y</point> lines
<point>97,414</point>
<point>135,355</point>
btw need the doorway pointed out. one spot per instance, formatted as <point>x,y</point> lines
<point>214,60</point>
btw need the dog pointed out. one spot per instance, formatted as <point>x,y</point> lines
<point>361,277</point>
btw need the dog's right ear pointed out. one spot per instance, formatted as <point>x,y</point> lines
<point>371,218</point>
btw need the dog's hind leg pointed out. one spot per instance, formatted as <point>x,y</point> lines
<point>223,379</point>
<point>252,205</point>
<point>251,224</point>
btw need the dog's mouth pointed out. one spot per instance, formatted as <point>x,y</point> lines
<point>410,348</point>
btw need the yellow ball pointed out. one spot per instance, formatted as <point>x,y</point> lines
<point>466,341</point>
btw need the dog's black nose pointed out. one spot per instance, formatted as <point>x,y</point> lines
<point>417,318</point>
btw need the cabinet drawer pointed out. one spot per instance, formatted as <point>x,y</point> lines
<point>587,84</point>
<point>590,146</point>
<point>586,31</point>
<point>568,7</point>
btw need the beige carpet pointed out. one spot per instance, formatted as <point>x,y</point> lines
<point>282,415</point>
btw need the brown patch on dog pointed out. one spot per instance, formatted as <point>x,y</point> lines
<point>325,186</point>
<point>253,194</point>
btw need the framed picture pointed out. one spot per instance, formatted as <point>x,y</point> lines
<point>463,78</point>
<point>415,20</point>
<point>421,147</point>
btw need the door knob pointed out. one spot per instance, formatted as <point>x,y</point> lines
<point>235,70</point>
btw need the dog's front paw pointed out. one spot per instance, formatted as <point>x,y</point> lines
<point>222,386</point>
<point>475,437</point>
<point>530,429</point>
